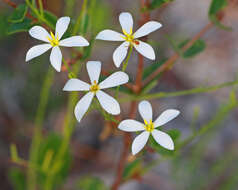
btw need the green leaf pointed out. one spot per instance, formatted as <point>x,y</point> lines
<point>215,7</point>
<point>18,14</point>
<point>158,3</point>
<point>132,169</point>
<point>91,183</point>
<point>148,71</point>
<point>195,49</point>
<point>17,178</point>
<point>174,134</point>
<point>50,17</point>
<point>47,154</point>
<point>23,26</point>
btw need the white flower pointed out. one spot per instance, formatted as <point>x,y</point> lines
<point>107,102</point>
<point>53,41</point>
<point>148,127</point>
<point>130,38</point>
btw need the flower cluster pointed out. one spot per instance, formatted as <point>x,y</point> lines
<point>108,103</point>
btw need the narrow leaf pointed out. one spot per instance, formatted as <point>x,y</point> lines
<point>215,7</point>
<point>158,3</point>
<point>18,14</point>
<point>91,183</point>
<point>23,26</point>
<point>195,49</point>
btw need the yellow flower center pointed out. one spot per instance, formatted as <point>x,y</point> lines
<point>130,37</point>
<point>149,126</point>
<point>54,41</point>
<point>94,87</point>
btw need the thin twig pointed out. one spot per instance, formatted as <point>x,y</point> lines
<point>138,86</point>
<point>145,17</point>
<point>173,58</point>
<point>125,151</point>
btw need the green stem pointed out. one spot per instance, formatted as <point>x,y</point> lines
<point>79,19</point>
<point>44,96</point>
<point>40,17</point>
<point>124,66</point>
<point>179,93</point>
<point>127,59</point>
<point>41,8</point>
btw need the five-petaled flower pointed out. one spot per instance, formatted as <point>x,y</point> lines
<point>53,41</point>
<point>107,102</point>
<point>130,38</point>
<point>149,127</point>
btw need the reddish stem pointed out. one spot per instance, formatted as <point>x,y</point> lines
<point>125,151</point>
<point>137,89</point>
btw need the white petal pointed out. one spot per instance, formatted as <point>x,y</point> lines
<point>145,110</point>
<point>56,58</point>
<point>139,142</point>
<point>115,79</point>
<point>166,116</point>
<point>145,49</point>
<point>37,50</point>
<point>61,26</point>
<point>120,53</point>
<point>110,35</point>
<point>74,41</point>
<point>130,125</point>
<point>126,21</point>
<point>83,105</point>
<point>163,139</point>
<point>147,28</point>
<point>108,103</point>
<point>39,33</point>
<point>76,85</point>
<point>94,70</point>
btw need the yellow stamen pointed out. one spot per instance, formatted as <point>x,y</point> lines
<point>94,87</point>
<point>54,41</point>
<point>128,37</point>
<point>149,126</point>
